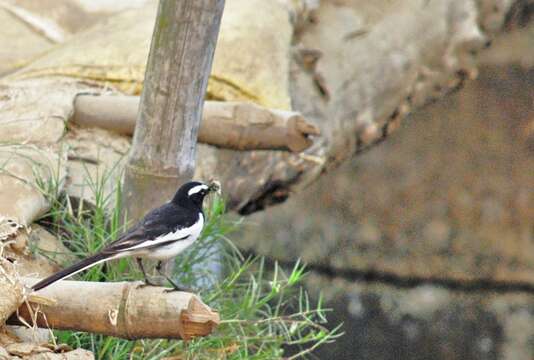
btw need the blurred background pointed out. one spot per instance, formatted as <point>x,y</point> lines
<point>424,245</point>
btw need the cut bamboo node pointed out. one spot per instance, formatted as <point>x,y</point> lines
<point>198,319</point>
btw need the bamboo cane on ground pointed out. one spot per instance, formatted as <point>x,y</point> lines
<point>122,309</point>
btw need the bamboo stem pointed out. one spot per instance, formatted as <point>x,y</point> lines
<point>231,125</point>
<point>163,149</point>
<point>121,309</point>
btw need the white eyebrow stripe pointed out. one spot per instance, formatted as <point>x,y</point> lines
<point>196,189</point>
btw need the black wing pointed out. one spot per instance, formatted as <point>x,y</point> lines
<point>160,221</point>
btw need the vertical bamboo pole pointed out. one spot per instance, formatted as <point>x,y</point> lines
<point>163,150</point>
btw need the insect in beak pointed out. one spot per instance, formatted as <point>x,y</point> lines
<point>215,186</point>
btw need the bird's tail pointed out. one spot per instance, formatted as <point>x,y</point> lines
<point>73,269</point>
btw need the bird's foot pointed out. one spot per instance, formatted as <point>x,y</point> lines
<point>146,283</point>
<point>176,287</point>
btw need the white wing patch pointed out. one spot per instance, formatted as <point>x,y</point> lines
<point>197,189</point>
<point>192,232</point>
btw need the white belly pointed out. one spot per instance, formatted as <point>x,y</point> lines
<point>171,250</point>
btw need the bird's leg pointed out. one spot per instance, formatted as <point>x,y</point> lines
<point>175,287</point>
<point>147,280</point>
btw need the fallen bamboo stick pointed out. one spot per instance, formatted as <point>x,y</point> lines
<point>232,125</point>
<point>121,309</point>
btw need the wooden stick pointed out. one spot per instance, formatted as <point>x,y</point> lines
<point>245,126</point>
<point>121,309</point>
<point>231,125</point>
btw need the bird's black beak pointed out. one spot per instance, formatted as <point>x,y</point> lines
<point>215,186</point>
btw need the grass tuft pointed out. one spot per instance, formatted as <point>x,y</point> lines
<point>263,311</point>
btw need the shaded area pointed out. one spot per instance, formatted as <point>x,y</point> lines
<point>426,322</point>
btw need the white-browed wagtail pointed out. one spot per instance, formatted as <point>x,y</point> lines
<point>161,235</point>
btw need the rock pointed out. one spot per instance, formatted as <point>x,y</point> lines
<point>35,335</point>
<point>30,351</point>
<point>34,113</point>
<point>25,349</point>
<point>26,172</point>
<point>43,255</point>
<point>104,54</point>
<point>260,73</point>
<point>23,43</point>
<point>31,28</point>
<point>49,246</point>
<point>96,161</point>
<point>39,253</point>
<point>14,347</point>
<point>449,197</point>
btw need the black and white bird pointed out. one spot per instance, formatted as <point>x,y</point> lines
<point>161,235</point>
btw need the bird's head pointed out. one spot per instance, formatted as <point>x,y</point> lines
<point>194,192</point>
